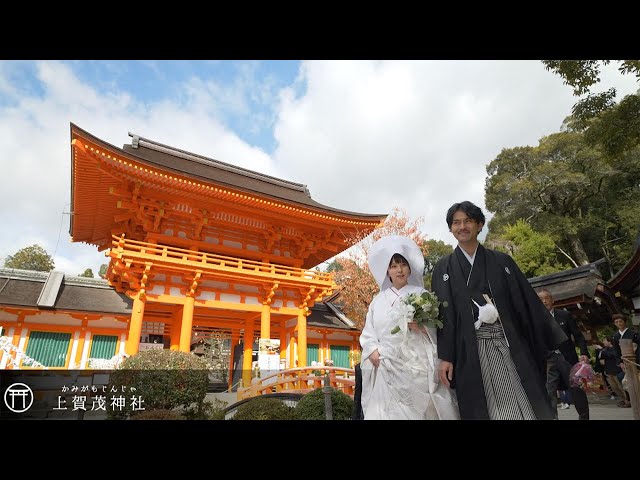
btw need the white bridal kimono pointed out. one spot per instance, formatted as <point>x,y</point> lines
<point>405,386</point>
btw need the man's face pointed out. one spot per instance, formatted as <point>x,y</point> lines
<point>547,300</point>
<point>621,324</point>
<point>464,228</point>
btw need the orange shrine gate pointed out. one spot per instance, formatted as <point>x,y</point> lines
<point>197,248</point>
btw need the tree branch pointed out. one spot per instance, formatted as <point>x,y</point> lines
<point>568,256</point>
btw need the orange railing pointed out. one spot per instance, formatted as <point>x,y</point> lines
<point>301,380</point>
<point>152,252</point>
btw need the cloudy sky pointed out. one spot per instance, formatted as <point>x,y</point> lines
<point>365,136</point>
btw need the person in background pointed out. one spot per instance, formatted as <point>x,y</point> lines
<point>565,399</point>
<point>560,361</point>
<point>610,361</point>
<point>624,333</point>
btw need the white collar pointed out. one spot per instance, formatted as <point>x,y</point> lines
<point>621,332</point>
<point>471,258</point>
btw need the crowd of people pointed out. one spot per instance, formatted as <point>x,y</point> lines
<point>500,352</point>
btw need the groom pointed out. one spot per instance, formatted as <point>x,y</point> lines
<point>496,368</point>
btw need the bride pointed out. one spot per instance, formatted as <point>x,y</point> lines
<point>399,371</point>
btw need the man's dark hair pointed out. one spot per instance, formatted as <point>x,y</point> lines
<point>474,212</point>
<point>618,316</point>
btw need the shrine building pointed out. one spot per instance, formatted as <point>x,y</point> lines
<point>197,249</point>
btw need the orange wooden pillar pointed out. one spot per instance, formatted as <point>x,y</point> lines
<point>187,323</point>
<point>265,321</point>
<point>283,341</point>
<point>302,338</point>
<point>176,326</point>
<point>135,325</point>
<point>248,353</point>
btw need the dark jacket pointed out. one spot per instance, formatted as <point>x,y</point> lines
<point>528,325</point>
<point>611,361</point>
<point>628,334</point>
<point>570,328</point>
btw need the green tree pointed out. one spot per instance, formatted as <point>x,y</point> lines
<point>87,273</point>
<point>535,253</point>
<point>613,126</point>
<point>567,189</point>
<point>436,249</point>
<point>549,186</point>
<point>103,270</point>
<point>31,258</point>
<point>334,266</point>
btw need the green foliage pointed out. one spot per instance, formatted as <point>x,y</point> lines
<point>158,414</point>
<point>87,273</point>
<point>617,129</point>
<point>534,252</point>
<point>436,249</point>
<point>334,266</point>
<point>208,411</point>
<point>581,75</point>
<point>103,270</point>
<point>606,331</point>
<point>614,127</point>
<point>568,190</point>
<point>311,406</point>
<point>31,258</point>
<point>164,379</point>
<point>263,408</point>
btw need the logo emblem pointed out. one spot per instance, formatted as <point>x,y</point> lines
<point>445,277</point>
<point>18,397</point>
<point>506,269</point>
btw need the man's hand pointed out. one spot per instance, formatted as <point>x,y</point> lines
<point>375,358</point>
<point>584,358</point>
<point>446,372</point>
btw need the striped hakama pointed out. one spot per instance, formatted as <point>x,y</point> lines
<point>506,398</point>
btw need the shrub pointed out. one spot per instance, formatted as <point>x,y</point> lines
<point>208,411</point>
<point>159,414</point>
<point>163,379</point>
<point>263,408</point>
<point>311,406</point>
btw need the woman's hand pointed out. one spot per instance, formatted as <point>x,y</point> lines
<point>415,327</point>
<point>375,358</point>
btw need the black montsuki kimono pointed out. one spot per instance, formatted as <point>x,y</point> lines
<point>528,326</point>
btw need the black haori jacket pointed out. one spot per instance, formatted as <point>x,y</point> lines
<point>528,326</point>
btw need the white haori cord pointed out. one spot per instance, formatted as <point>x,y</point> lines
<point>487,313</point>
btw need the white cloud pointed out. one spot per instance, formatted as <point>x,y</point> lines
<point>35,161</point>
<point>368,136</point>
<point>364,136</point>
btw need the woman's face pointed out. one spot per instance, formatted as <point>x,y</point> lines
<point>399,273</point>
